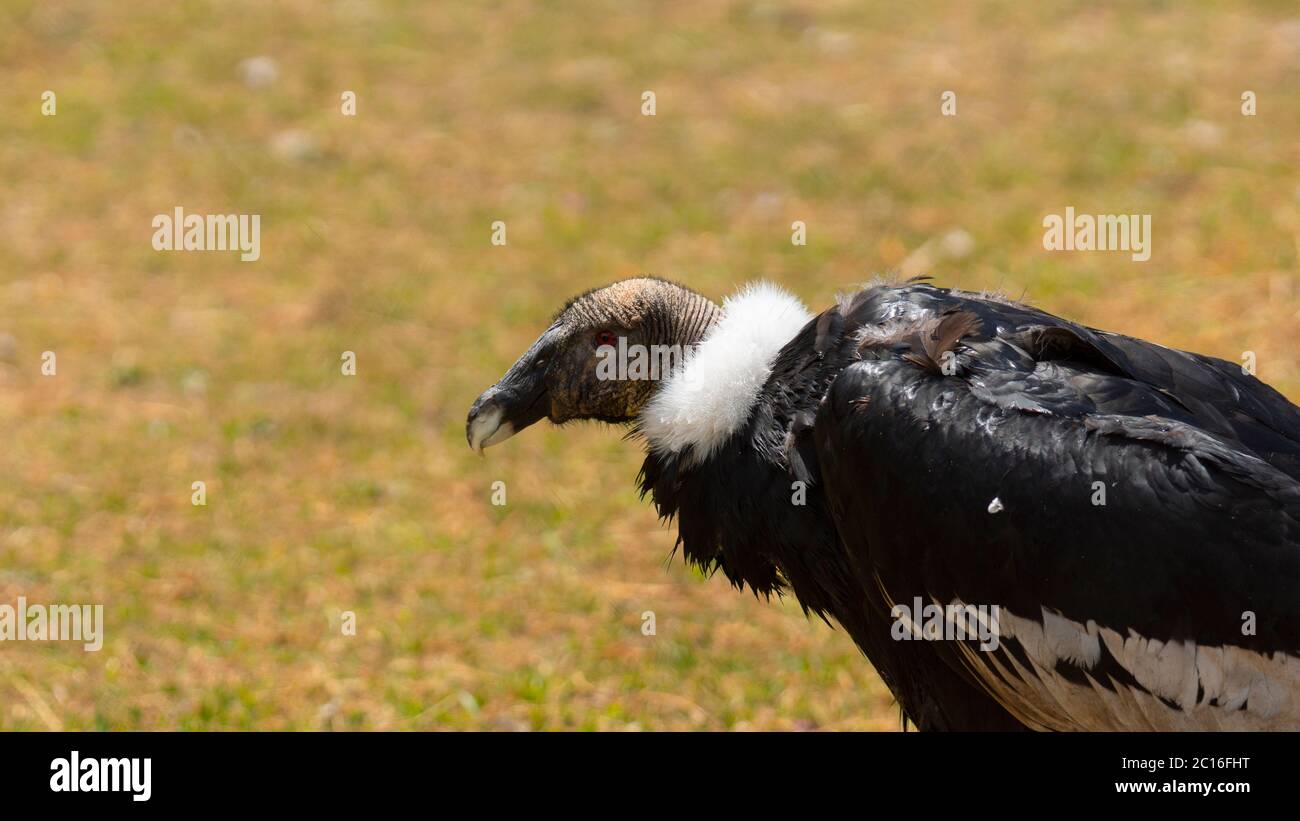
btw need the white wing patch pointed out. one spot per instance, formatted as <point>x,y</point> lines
<point>1184,686</point>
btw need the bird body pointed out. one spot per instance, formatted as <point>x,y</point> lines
<point>1123,518</point>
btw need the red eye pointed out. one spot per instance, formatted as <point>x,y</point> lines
<point>604,338</point>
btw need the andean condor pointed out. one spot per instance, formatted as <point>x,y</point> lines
<point>1122,518</point>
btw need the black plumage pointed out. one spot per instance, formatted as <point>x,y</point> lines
<point>952,444</point>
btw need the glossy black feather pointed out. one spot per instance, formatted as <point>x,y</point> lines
<point>1201,520</point>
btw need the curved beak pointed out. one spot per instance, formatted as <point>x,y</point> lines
<point>518,400</point>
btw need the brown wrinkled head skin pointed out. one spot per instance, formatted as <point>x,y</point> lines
<point>557,377</point>
<point>643,311</point>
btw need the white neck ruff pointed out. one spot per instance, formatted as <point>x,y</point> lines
<point>701,405</point>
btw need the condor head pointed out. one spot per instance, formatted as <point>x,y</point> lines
<point>557,377</point>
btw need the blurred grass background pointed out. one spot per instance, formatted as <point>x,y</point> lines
<point>329,493</point>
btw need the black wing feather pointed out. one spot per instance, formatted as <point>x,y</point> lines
<point>1198,462</point>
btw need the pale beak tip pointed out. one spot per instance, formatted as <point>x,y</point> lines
<point>486,427</point>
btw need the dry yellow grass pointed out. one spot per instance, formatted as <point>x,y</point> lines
<point>329,493</point>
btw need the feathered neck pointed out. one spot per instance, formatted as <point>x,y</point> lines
<point>698,408</point>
